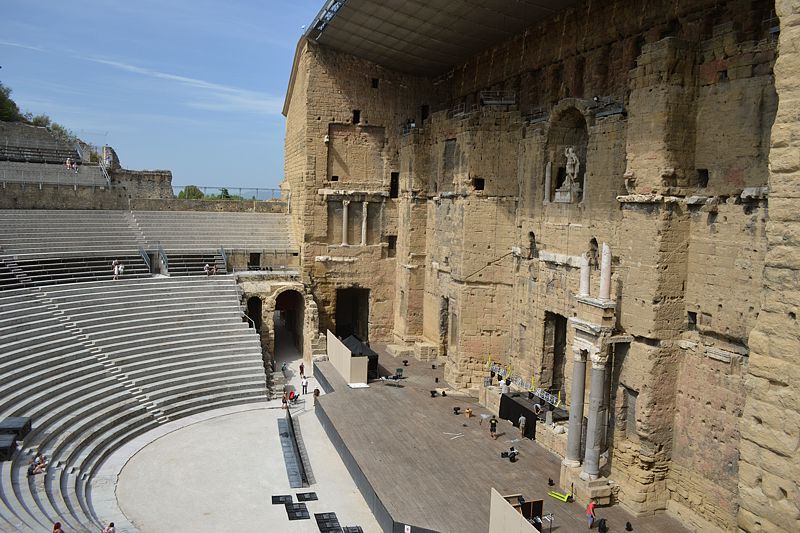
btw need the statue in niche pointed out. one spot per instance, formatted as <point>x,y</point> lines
<point>570,189</point>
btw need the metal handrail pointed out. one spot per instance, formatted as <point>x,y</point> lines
<point>252,322</point>
<point>106,175</point>
<point>146,258</point>
<point>163,255</point>
<point>224,258</point>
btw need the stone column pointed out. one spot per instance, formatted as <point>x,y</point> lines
<point>548,176</point>
<point>585,271</point>
<point>575,429</point>
<point>345,209</point>
<point>597,419</point>
<point>605,273</point>
<point>364,223</point>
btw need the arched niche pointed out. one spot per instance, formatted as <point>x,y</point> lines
<point>565,155</point>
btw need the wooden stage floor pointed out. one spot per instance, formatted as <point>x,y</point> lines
<point>432,469</point>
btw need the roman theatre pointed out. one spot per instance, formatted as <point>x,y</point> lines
<point>582,213</point>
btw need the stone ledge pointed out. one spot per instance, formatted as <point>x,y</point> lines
<point>597,302</point>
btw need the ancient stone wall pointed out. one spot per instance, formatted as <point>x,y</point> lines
<point>648,134</point>
<point>769,494</point>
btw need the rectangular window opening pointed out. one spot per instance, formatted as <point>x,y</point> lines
<point>391,249</point>
<point>394,185</point>
<point>478,183</point>
<point>691,320</point>
<point>334,178</point>
<point>375,82</point>
<point>356,116</point>
<point>424,111</point>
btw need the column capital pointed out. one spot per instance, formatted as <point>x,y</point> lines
<point>578,354</point>
<point>346,202</point>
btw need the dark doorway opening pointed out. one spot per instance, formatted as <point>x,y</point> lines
<point>394,185</point>
<point>555,345</point>
<point>288,324</point>
<point>352,313</point>
<point>254,262</point>
<point>254,311</point>
<point>444,325</point>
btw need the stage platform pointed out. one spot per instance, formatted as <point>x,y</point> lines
<point>418,464</point>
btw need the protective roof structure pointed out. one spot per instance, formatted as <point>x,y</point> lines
<point>424,37</point>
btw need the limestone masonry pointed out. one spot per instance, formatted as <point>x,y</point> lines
<point>605,206</point>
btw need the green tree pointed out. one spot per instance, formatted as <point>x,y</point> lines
<point>191,192</point>
<point>9,111</point>
<point>40,120</point>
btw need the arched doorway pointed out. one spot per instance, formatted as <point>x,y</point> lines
<point>288,327</point>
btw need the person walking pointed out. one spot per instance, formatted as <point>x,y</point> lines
<point>285,401</point>
<point>590,512</point>
<point>493,427</point>
<point>110,528</point>
<point>302,370</point>
<point>522,421</point>
<point>304,384</point>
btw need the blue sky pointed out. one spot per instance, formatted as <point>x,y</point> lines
<point>193,86</point>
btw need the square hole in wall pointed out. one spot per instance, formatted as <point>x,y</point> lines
<point>722,75</point>
<point>375,82</point>
<point>391,249</point>
<point>334,178</point>
<point>356,116</point>
<point>478,183</point>
<point>702,178</point>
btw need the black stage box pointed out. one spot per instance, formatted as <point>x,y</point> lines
<point>7,446</point>
<point>511,407</point>
<point>19,426</point>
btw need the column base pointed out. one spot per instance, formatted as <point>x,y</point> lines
<point>570,463</point>
<point>584,490</point>
<point>585,476</point>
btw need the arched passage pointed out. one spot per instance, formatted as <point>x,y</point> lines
<point>288,326</point>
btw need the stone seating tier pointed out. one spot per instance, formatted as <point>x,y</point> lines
<point>96,364</point>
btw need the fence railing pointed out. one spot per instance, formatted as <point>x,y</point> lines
<point>58,176</point>
<point>234,194</point>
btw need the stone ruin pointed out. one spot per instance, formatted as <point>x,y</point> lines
<point>603,205</point>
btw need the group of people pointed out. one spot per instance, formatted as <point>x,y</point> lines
<point>292,396</point>
<point>210,270</point>
<point>37,465</point>
<point>118,268</point>
<point>71,164</point>
<point>110,528</point>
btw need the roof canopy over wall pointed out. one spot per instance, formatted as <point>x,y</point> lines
<point>424,37</point>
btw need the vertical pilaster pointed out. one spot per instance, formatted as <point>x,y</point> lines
<point>548,177</point>
<point>364,223</point>
<point>605,273</point>
<point>345,209</point>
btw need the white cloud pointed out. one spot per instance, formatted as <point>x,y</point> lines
<point>20,45</point>
<point>208,95</point>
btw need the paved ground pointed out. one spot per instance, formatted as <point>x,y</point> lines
<point>436,470</point>
<point>220,474</point>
